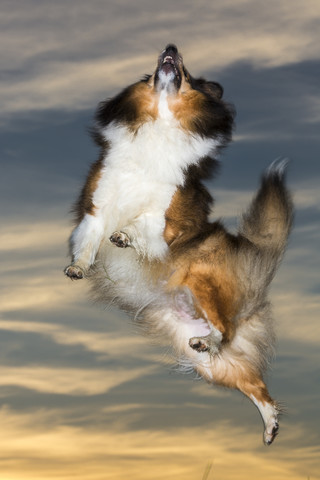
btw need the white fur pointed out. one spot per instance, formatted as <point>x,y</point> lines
<point>166,80</point>
<point>269,414</point>
<point>139,177</point>
<point>164,111</point>
<point>177,325</point>
<point>182,325</point>
<point>85,239</point>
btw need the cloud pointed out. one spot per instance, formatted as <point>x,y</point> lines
<point>115,344</point>
<point>68,381</point>
<point>229,203</point>
<point>34,236</point>
<point>71,85</point>
<point>67,57</point>
<point>56,57</point>
<point>34,256</point>
<point>232,203</point>
<point>307,194</point>
<point>297,315</point>
<point>42,445</point>
<point>44,291</point>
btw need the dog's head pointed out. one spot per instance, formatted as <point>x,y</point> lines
<point>171,74</point>
<point>194,104</point>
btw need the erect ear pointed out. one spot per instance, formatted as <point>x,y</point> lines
<point>214,89</point>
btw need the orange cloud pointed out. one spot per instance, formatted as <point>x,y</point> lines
<point>37,446</point>
<point>69,381</point>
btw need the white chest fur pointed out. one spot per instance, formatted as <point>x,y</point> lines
<point>141,173</point>
<point>139,177</point>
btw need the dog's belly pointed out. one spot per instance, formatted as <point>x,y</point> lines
<point>125,278</point>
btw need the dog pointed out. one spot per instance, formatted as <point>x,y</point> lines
<point>144,240</point>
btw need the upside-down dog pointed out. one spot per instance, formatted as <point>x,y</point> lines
<point>144,239</point>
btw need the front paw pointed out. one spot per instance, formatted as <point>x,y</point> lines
<point>74,272</point>
<point>120,239</point>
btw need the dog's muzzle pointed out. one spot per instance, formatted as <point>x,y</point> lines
<point>168,73</point>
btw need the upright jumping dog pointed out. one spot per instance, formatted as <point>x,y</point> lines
<point>188,281</point>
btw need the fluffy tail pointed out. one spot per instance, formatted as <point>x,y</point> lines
<point>268,220</point>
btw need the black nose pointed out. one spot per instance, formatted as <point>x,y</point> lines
<point>172,48</point>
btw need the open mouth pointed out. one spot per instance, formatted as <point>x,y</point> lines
<point>168,64</point>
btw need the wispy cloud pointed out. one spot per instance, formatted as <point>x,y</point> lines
<point>35,247</point>
<point>33,236</point>
<point>232,203</point>
<point>68,381</point>
<point>307,194</point>
<point>41,446</point>
<point>297,315</point>
<point>114,344</point>
<point>57,348</point>
<point>47,48</point>
<point>37,291</point>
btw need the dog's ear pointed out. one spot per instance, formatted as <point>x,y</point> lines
<point>214,89</point>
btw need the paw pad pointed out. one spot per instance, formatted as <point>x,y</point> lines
<point>74,272</point>
<point>198,344</point>
<point>120,239</point>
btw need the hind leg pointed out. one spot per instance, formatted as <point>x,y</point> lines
<point>269,413</point>
<point>209,343</point>
<point>257,392</point>
<point>205,337</point>
<point>209,303</point>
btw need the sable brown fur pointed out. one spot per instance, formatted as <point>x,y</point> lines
<point>85,201</point>
<point>228,274</point>
<point>187,280</point>
<point>197,105</point>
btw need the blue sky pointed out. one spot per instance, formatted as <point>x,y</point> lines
<point>81,393</point>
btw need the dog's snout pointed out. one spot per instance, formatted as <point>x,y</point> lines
<point>172,48</point>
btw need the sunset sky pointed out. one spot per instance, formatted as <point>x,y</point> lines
<point>82,394</point>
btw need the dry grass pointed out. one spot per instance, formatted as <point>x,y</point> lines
<point>207,471</point>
